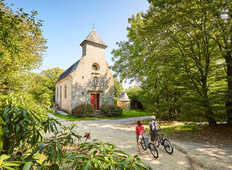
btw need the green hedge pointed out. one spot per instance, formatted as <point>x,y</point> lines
<point>111,110</point>
<point>83,110</point>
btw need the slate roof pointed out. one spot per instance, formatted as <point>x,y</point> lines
<point>123,97</point>
<point>94,37</point>
<point>68,71</point>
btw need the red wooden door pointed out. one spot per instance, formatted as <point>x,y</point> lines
<point>93,101</point>
<point>98,101</point>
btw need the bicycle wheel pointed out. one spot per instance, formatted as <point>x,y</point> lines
<point>168,146</point>
<point>143,144</point>
<point>153,150</point>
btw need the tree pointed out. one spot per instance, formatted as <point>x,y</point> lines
<point>135,94</point>
<point>50,78</point>
<point>221,11</point>
<point>42,85</point>
<point>172,53</point>
<point>21,47</point>
<point>186,29</point>
<point>118,89</point>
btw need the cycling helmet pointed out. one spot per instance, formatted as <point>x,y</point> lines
<point>153,117</point>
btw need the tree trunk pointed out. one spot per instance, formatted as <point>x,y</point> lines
<point>206,104</point>
<point>210,116</point>
<point>209,112</point>
<point>229,88</point>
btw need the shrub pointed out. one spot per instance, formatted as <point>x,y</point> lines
<point>98,155</point>
<point>23,100</point>
<point>111,110</point>
<point>83,110</point>
<point>20,126</point>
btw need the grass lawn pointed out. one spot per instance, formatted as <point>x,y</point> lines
<point>172,127</point>
<point>125,114</point>
<point>134,113</point>
<point>197,132</point>
<point>180,128</point>
<point>74,118</point>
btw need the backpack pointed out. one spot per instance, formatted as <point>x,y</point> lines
<point>154,126</point>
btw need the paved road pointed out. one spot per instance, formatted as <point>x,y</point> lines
<point>186,156</point>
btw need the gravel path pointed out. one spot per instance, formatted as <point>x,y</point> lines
<point>121,133</point>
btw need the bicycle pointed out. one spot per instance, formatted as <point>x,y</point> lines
<point>147,144</point>
<point>162,140</point>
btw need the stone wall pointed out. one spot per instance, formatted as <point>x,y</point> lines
<point>123,105</point>
<point>92,49</point>
<point>64,101</point>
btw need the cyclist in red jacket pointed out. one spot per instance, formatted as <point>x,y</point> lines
<point>139,133</point>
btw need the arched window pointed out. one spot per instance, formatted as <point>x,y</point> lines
<point>95,67</point>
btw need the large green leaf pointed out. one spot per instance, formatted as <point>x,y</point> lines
<point>87,165</point>
<point>27,166</point>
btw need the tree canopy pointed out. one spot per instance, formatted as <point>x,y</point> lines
<point>21,47</point>
<point>42,85</point>
<point>173,50</point>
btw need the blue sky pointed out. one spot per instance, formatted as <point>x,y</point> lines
<point>68,22</point>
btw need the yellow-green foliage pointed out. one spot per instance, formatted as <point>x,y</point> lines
<point>23,100</point>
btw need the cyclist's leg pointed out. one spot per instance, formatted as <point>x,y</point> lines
<point>152,137</point>
<point>138,142</point>
<point>156,137</point>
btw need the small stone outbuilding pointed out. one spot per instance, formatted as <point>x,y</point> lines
<point>123,101</point>
<point>88,80</point>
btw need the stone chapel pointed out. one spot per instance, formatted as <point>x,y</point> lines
<point>88,80</point>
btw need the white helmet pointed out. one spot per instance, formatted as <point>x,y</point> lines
<point>153,117</point>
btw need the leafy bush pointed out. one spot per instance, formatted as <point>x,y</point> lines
<point>20,126</point>
<point>23,100</point>
<point>83,110</point>
<point>98,155</point>
<point>111,110</point>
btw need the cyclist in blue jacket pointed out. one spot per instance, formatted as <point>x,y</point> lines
<point>154,128</point>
